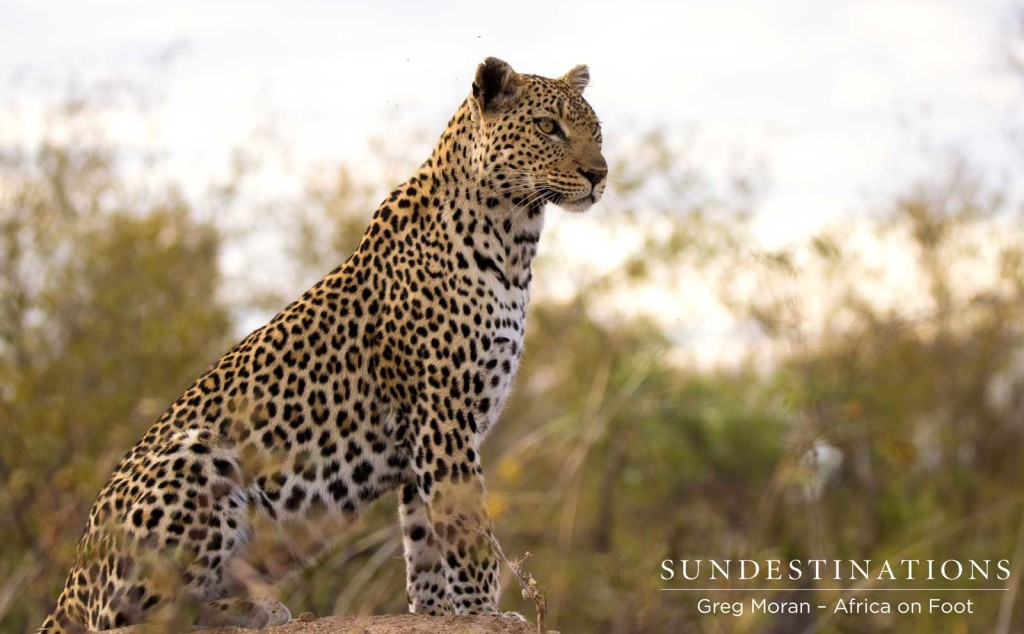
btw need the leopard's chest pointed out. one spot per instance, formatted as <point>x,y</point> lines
<point>501,342</point>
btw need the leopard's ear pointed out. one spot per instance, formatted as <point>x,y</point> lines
<point>496,85</point>
<point>578,77</point>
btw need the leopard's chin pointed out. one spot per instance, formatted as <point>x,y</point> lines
<point>579,205</point>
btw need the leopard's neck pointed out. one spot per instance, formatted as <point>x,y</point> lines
<point>460,203</point>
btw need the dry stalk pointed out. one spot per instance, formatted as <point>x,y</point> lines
<point>532,591</point>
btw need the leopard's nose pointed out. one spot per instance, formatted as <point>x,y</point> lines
<point>593,174</point>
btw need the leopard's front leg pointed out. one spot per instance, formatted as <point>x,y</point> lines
<point>425,581</point>
<point>450,482</point>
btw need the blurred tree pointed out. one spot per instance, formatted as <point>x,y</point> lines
<point>904,341</point>
<point>108,309</point>
<point>879,411</point>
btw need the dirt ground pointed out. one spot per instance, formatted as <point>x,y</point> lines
<point>390,624</point>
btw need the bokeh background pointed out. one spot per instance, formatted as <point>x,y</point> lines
<point>794,327</point>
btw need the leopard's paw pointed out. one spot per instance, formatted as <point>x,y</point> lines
<point>252,613</point>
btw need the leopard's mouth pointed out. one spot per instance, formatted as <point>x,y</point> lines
<point>551,195</point>
<point>575,205</point>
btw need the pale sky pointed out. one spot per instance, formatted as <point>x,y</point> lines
<point>823,92</point>
<point>842,102</point>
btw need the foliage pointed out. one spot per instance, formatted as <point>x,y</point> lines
<point>878,414</point>
<point>109,304</point>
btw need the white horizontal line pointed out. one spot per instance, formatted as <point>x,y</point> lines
<point>834,589</point>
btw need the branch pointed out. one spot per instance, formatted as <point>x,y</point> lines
<point>532,591</point>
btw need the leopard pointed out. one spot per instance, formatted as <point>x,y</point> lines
<point>386,375</point>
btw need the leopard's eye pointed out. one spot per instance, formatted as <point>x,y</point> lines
<point>547,125</point>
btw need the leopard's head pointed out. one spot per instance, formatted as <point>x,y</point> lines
<point>538,138</point>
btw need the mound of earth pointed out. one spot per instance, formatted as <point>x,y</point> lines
<point>387,624</point>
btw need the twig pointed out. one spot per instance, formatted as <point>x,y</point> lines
<point>1012,583</point>
<point>532,591</point>
<point>27,569</point>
